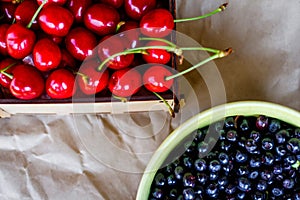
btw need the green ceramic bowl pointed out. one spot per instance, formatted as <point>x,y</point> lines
<point>246,108</point>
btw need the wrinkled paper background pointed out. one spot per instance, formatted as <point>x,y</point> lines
<point>103,156</point>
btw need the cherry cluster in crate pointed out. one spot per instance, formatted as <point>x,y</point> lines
<point>59,47</point>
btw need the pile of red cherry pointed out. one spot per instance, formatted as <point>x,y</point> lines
<point>57,48</point>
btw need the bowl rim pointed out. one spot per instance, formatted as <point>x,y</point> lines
<point>204,118</point>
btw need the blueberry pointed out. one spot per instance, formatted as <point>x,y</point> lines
<point>290,159</point>
<point>244,184</point>
<point>288,183</point>
<point>202,178</point>
<point>229,122</point>
<point>267,144</point>
<point>227,168</point>
<point>268,158</point>
<point>173,193</point>
<point>179,171</point>
<point>241,195</point>
<point>212,190</point>
<point>261,185</point>
<point>281,136</point>
<point>214,166</point>
<point>222,182</point>
<point>223,158</point>
<point>199,190</point>
<point>240,156</point>
<point>266,175</point>
<point>274,126</point>
<point>202,147</point>
<point>244,126</point>
<point>200,164</point>
<point>231,135</point>
<point>255,162</point>
<point>213,176</point>
<point>297,133</point>
<point>253,175</point>
<point>188,194</point>
<point>258,196</point>
<point>200,135</point>
<point>158,193</point>
<point>171,180</point>
<point>277,191</point>
<point>187,161</point>
<point>250,145</point>
<point>230,189</point>
<point>277,169</point>
<point>281,150</point>
<point>293,145</point>
<point>243,170</point>
<point>160,179</point>
<point>242,142</point>
<point>190,146</point>
<point>255,135</point>
<point>225,145</point>
<point>189,180</point>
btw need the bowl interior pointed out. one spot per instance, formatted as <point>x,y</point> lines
<point>246,108</point>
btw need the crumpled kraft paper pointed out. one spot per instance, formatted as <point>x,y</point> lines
<point>103,156</point>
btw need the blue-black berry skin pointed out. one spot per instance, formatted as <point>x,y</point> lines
<point>255,157</point>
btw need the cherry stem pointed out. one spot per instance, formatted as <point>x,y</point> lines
<point>36,13</point>
<point>182,48</point>
<point>220,54</point>
<point>219,9</point>
<point>176,50</point>
<point>122,99</point>
<point>121,23</point>
<point>171,111</point>
<point>3,71</point>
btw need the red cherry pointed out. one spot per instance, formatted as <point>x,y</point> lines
<point>157,23</point>
<point>55,20</point>
<point>50,2</point>
<point>136,9</point>
<point>113,3</point>
<point>67,60</point>
<point>25,11</point>
<point>101,19</point>
<point>78,47</point>
<point>20,41</point>
<point>159,56</point>
<point>3,46</point>
<point>130,31</point>
<point>4,79</point>
<point>60,84</point>
<point>154,79</point>
<point>90,80</point>
<point>125,82</point>
<point>7,9</point>
<point>78,7</point>
<point>27,82</point>
<point>111,46</point>
<point>46,54</point>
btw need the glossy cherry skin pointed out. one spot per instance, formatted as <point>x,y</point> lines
<point>5,80</point>
<point>136,9</point>
<point>60,84</point>
<point>20,41</point>
<point>125,82</point>
<point>7,9</point>
<point>111,46</point>
<point>157,23</point>
<point>46,54</point>
<point>27,83</point>
<point>131,32</point>
<point>95,81</point>
<point>102,19</point>
<point>25,11</point>
<point>80,42</point>
<point>55,20</point>
<point>78,7</point>
<point>3,46</point>
<point>67,60</point>
<point>51,2</point>
<point>154,79</point>
<point>113,3</point>
<point>159,56</point>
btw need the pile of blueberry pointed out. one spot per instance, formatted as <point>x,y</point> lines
<point>242,157</point>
